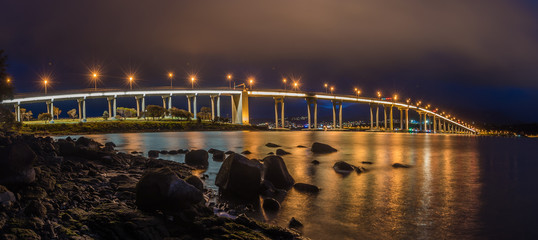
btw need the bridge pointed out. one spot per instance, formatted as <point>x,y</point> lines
<point>240,106</point>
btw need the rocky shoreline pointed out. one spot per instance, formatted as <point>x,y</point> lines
<point>80,189</point>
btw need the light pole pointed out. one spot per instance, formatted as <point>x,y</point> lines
<point>192,82</point>
<point>285,84</point>
<point>296,86</point>
<point>8,80</point>
<point>171,76</point>
<point>131,82</point>
<point>229,77</point>
<point>94,77</point>
<point>332,89</point>
<point>250,82</point>
<point>358,93</point>
<point>395,97</point>
<point>379,94</point>
<point>45,82</point>
<point>326,85</point>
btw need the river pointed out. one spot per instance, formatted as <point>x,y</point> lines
<point>459,187</point>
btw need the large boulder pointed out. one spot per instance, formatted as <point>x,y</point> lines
<point>239,176</point>
<point>197,158</point>
<point>16,165</point>
<point>161,189</point>
<point>322,148</point>
<point>195,181</point>
<point>270,204</point>
<point>276,172</point>
<point>218,155</point>
<point>153,153</point>
<point>65,147</point>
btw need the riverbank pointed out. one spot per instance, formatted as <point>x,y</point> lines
<point>130,126</point>
<point>80,189</point>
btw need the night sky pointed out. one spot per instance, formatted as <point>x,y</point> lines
<point>475,59</point>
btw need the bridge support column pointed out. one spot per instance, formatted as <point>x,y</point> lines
<point>189,103</point>
<point>114,108</point>
<point>309,102</point>
<point>391,120</point>
<point>337,104</point>
<point>18,112</point>
<point>281,101</point>
<point>108,99</point>
<point>434,124</point>
<point>371,117</point>
<point>340,115</point>
<point>137,99</point>
<point>439,125</point>
<point>79,102</point>
<point>218,106</point>
<point>195,107</point>
<point>212,98</point>
<point>51,103</point>
<point>385,117</point>
<point>316,114</point>
<point>425,122</point>
<point>407,119</point>
<point>377,117</point>
<point>401,119</point>
<point>420,121</point>
<point>240,112</point>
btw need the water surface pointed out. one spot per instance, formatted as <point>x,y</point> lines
<point>459,186</point>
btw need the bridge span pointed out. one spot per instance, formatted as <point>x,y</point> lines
<point>240,106</point>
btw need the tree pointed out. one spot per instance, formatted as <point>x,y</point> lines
<point>155,111</point>
<point>125,112</point>
<point>72,113</point>
<point>105,115</point>
<point>57,112</point>
<point>180,113</point>
<point>44,117</point>
<point>205,113</point>
<point>26,115</point>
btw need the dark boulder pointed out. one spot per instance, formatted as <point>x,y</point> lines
<point>271,153</point>
<point>66,148</point>
<point>276,172</point>
<point>305,187</point>
<point>195,181</point>
<point>182,151</point>
<point>270,204</point>
<point>218,155</point>
<point>366,162</point>
<point>172,152</point>
<point>400,165</point>
<point>163,152</point>
<point>281,152</point>
<point>161,189</point>
<point>153,153</point>
<point>16,165</point>
<point>229,152</point>
<point>6,197</point>
<point>322,148</point>
<point>301,146</point>
<point>294,223</point>
<point>246,152</point>
<point>239,176</point>
<point>272,145</point>
<point>212,150</point>
<point>343,167</point>
<point>315,162</point>
<point>360,169</point>
<point>110,144</point>
<point>35,208</point>
<point>267,188</point>
<point>197,158</point>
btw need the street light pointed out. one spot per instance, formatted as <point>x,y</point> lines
<point>193,78</point>
<point>379,94</point>
<point>358,93</point>
<point>45,82</point>
<point>131,78</point>
<point>171,76</point>
<point>94,77</point>
<point>408,101</point>
<point>326,85</point>
<point>332,89</point>
<point>250,82</point>
<point>296,86</point>
<point>229,77</point>
<point>8,80</point>
<point>284,80</point>
<point>395,97</point>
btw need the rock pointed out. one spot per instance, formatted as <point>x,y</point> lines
<point>163,152</point>
<point>218,155</point>
<point>134,152</point>
<point>301,146</point>
<point>366,162</point>
<point>229,152</point>
<point>322,148</point>
<point>195,181</point>
<point>197,158</point>
<point>315,162</point>
<point>294,223</point>
<point>66,148</point>
<point>271,153</point>
<point>172,152</point>
<point>36,209</point>
<point>239,176</point>
<point>6,197</point>
<point>305,187</point>
<point>83,141</point>
<point>246,152</point>
<point>343,167</point>
<point>267,188</point>
<point>270,204</point>
<point>281,152</point>
<point>153,153</point>
<point>24,233</point>
<point>212,150</point>
<point>92,173</point>
<point>360,169</point>
<point>400,165</point>
<point>17,165</point>
<point>111,144</point>
<point>276,172</point>
<point>182,151</point>
<point>272,145</point>
<point>161,189</point>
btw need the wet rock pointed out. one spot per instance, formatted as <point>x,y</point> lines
<point>281,152</point>
<point>272,145</point>
<point>66,148</point>
<point>110,144</point>
<point>301,146</point>
<point>212,150</point>
<point>196,182</point>
<point>134,152</point>
<point>17,165</point>
<point>267,188</point>
<point>153,153</point>
<point>305,187</point>
<point>229,152</point>
<point>239,176</point>
<point>270,204</point>
<point>161,189</point>
<point>163,152</point>
<point>246,152</point>
<point>172,152</point>
<point>271,153</point>
<point>315,162</point>
<point>35,208</point>
<point>400,165</point>
<point>294,223</point>
<point>197,158</point>
<point>6,197</point>
<point>366,162</point>
<point>218,155</point>
<point>343,167</point>
<point>276,172</point>
<point>182,151</point>
<point>322,148</point>
<point>360,169</point>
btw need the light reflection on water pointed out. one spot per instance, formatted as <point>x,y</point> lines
<point>439,197</point>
